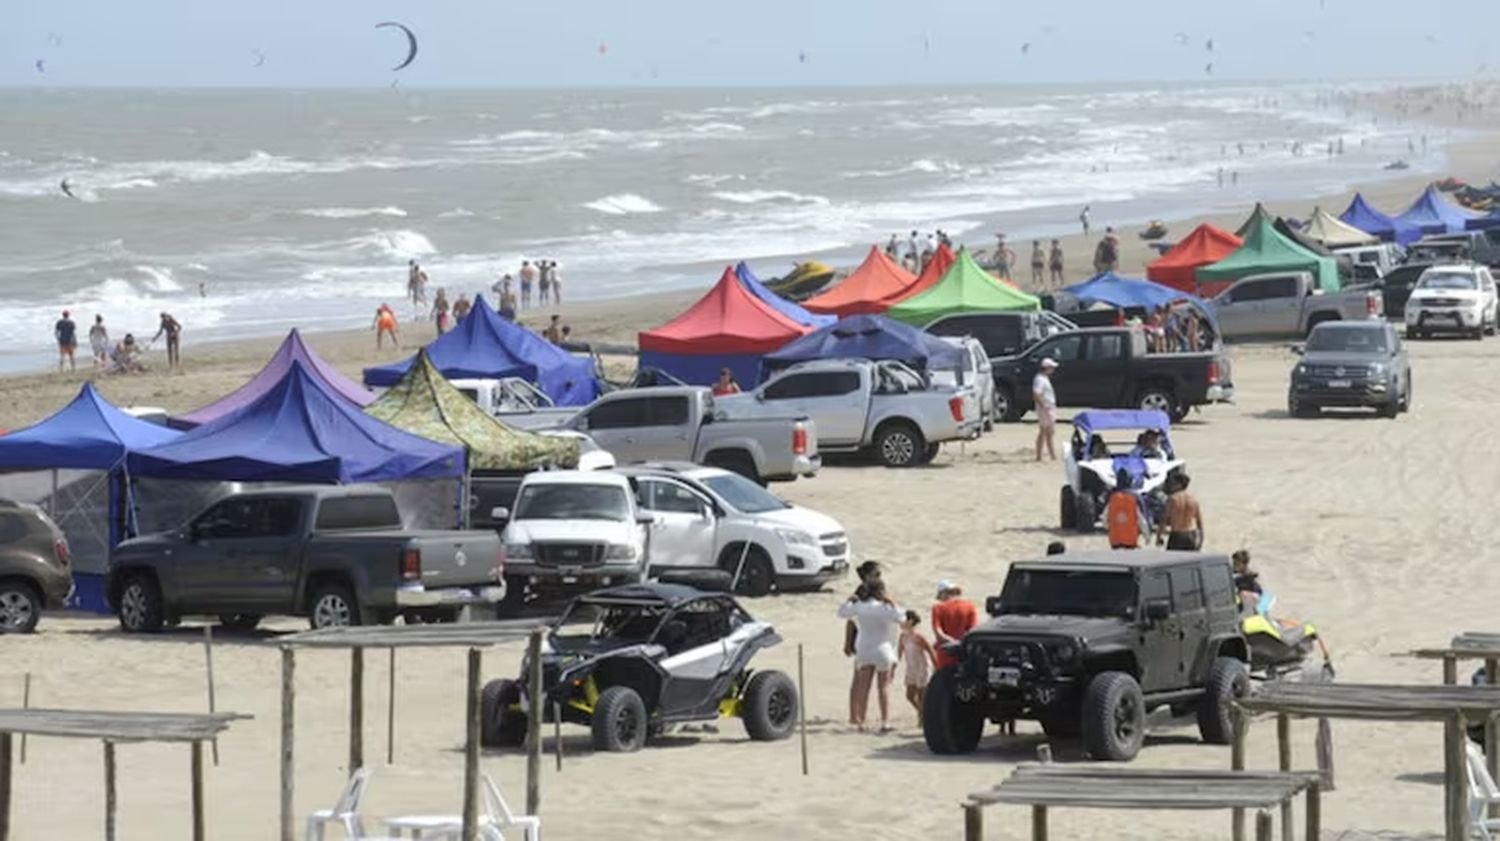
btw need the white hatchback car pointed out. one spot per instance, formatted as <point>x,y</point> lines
<point>1457,298</point>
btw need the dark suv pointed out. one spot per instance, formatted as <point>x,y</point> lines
<point>1088,643</point>
<point>34,572</point>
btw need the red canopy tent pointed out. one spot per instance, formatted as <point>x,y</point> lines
<point>727,328</point>
<point>867,290</point>
<point>938,266</point>
<point>1204,246</point>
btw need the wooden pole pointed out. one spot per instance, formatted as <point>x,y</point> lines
<point>5,786</point>
<point>1454,788</point>
<point>534,724</point>
<point>198,823</point>
<point>1239,723</point>
<point>557,733</point>
<point>1314,809</point>
<point>208,658</point>
<point>973,822</point>
<point>471,749</point>
<point>356,709</point>
<point>1284,762</point>
<point>802,708</point>
<point>390,711</point>
<point>288,742</point>
<point>1450,669</point>
<point>25,705</point>
<point>1324,749</point>
<point>1491,743</point>
<point>1262,825</point>
<point>1044,753</point>
<point>110,800</point>
<point>1038,823</point>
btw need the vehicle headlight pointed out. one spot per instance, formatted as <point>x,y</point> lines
<point>797,538</point>
<point>518,551</point>
<point>1377,369</point>
<point>620,552</point>
<point>1062,652</point>
<point>1300,370</point>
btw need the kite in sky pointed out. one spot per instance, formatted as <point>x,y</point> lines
<point>41,65</point>
<point>411,43</point>
<point>1026,48</point>
<point>260,57</point>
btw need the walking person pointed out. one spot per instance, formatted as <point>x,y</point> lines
<point>1055,263</point>
<point>1044,397</point>
<point>99,342</point>
<point>66,334</point>
<point>528,277</point>
<point>543,281</point>
<point>440,310</point>
<point>173,331</point>
<point>556,284</point>
<point>920,659</point>
<point>1182,523</point>
<point>1038,264</point>
<point>1083,219</point>
<point>878,623</point>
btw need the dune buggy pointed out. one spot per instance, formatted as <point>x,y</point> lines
<point>1092,463</point>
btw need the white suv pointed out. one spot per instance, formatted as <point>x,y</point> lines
<point>1457,298</point>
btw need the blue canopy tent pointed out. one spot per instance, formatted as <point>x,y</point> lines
<point>87,434</point>
<point>790,309</point>
<point>485,346</point>
<point>298,432</point>
<point>866,337</point>
<point>1433,214</point>
<point>1362,215</point>
<point>1131,293</point>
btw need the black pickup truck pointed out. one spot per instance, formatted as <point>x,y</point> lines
<point>1109,368</point>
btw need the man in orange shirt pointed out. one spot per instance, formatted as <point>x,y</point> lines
<point>952,617</point>
<point>1124,515</point>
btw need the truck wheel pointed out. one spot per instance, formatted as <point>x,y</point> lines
<point>239,621</point>
<point>949,726</point>
<point>1297,409</point>
<point>1155,398</point>
<point>1066,508</point>
<point>1392,408</point>
<point>1005,406</point>
<point>334,606</point>
<point>499,725</point>
<point>930,452</point>
<point>1406,395</point>
<point>1228,679</point>
<point>740,463</point>
<point>769,706</point>
<point>619,722</point>
<point>1114,717</point>
<point>1085,513</point>
<point>20,606</point>
<point>141,609</point>
<point>899,445</point>
<point>758,576</point>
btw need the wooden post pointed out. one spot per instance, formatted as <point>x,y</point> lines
<point>110,800</point>
<point>1038,823</point>
<point>1455,788</point>
<point>471,749</point>
<point>801,708</point>
<point>356,709</point>
<point>288,742</point>
<point>1044,753</point>
<point>534,723</point>
<point>557,732</point>
<point>5,786</point>
<point>1324,748</point>
<point>1284,762</point>
<point>1314,809</point>
<point>1239,724</point>
<point>973,822</point>
<point>1491,743</point>
<point>208,659</point>
<point>198,823</point>
<point>25,705</point>
<point>1262,825</point>
<point>390,712</point>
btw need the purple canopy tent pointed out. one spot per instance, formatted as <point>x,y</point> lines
<point>291,350</point>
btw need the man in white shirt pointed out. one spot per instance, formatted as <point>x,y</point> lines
<point>1045,400</point>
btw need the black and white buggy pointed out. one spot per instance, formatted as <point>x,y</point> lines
<point>629,662</point>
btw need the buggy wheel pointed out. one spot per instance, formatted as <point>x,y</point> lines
<point>1066,506</point>
<point>769,706</point>
<point>499,725</point>
<point>1228,679</point>
<point>620,723</point>
<point>1085,513</point>
<point>949,725</point>
<point>1114,717</point>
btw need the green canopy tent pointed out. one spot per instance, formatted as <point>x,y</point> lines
<point>964,288</point>
<point>423,403</point>
<point>1267,250</point>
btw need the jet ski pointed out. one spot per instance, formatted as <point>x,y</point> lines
<point>1155,231</point>
<point>1278,647</point>
<point>805,281</point>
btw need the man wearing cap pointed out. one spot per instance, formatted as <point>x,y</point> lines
<point>66,333</point>
<point>1045,400</point>
<point>952,617</point>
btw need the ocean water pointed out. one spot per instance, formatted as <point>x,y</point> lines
<point>244,213</point>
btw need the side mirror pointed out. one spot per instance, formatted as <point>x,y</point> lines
<point>1299,349</point>
<point>1157,610</point>
<point>499,512</point>
<point>642,518</point>
<point>992,605</point>
<point>760,397</point>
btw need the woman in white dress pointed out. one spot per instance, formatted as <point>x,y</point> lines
<point>878,629</point>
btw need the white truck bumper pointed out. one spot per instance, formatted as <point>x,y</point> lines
<point>419,596</point>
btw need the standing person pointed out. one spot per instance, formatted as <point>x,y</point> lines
<point>173,331</point>
<point>891,248</point>
<point>1045,399</point>
<point>66,333</point>
<point>553,333</point>
<point>1083,218</point>
<point>725,384</point>
<point>528,277</point>
<point>507,300</point>
<point>1107,254</point>
<point>1038,264</point>
<point>1055,263</point>
<point>544,281</point>
<point>952,617</point>
<point>440,310</point>
<point>920,659</point>
<point>878,623</point>
<point>385,325</point>
<point>1124,514</point>
<point>556,284</point>
<point>499,289</point>
<point>913,248</point>
<point>1004,257</point>
<point>461,307</point>
<point>413,272</point>
<point>99,342</point>
<point>1182,523</point>
<point>867,571</point>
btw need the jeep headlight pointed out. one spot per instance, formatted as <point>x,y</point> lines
<point>1062,652</point>
<point>518,551</point>
<point>796,538</point>
<point>620,552</point>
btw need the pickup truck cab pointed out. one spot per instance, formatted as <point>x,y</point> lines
<point>1110,368</point>
<point>1480,246</point>
<point>1002,333</point>
<point>338,555</point>
<point>504,396</point>
<point>1458,298</point>
<point>1385,256</point>
<point>1288,304</point>
<point>860,405</point>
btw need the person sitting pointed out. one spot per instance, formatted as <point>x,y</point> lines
<point>1148,445</point>
<point>1246,580</point>
<point>126,357</point>
<point>1097,447</point>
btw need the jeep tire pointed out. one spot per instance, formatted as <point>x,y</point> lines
<point>769,706</point>
<point>1114,717</point>
<point>949,726</point>
<point>619,722</point>
<point>141,609</point>
<point>1066,508</point>
<point>1228,679</point>
<point>499,725</point>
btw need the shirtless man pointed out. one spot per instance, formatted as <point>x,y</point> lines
<point>1182,523</point>
<point>173,331</point>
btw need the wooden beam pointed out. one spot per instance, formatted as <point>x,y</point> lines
<point>25,705</point>
<point>973,822</point>
<point>6,784</point>
<point>801,708</point>
<point>1450,669</point>
<point>1284,762</point>
<point>1262,825</point>
<point>198,822</point>
<point>208,659</point>
<point>1314,810</point>
<point>111,801</point>
<point>1240,725</point>
<point>534,724</point>
<point>471,748</point>
<point>1455,787</point>
<point>288,743</point>
<point>1038,823</point>
<point>1491,744</point>
<point>356,709</point>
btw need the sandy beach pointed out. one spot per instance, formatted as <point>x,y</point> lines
<point>1373,529</point>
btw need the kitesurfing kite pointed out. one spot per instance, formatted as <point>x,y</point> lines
<point>1026,48</point>
<point>67,188</point>
<point>1209,69</point>
<point>411,42</point>
<point>41,65</point>
<point>802,57</point>
<point>260,57</point>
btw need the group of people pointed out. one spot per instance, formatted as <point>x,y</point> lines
<point>544,277</point>
<point>918,250</point>
<point>1174,330</point>
<point>123,357</point>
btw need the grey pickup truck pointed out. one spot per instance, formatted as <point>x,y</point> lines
<point>337,555</point>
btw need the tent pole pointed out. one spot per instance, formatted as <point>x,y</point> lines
<point>52,500</point>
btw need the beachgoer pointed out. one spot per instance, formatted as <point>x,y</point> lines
<point>553,333</point>
<point>508,305</point>
<point>912,248</point>
<point>99,342</point>
<point>1055,263</point>
<point>878,621</point>
<point>440,310</point>
<point>1149,445</point>
<point>556,284</point>
<point>1221,176</point>
<point>528,277</point>
<point>1246,580</point>
<point>1045,399</point>
<point>413,273</point>
<point>1084,219</point>
<point>173,331</point>
<point>1004,257</point>
<point>1182,523</point>
<point>66,333</point>
<point>1107,253</point>
<point>1124,514</point>
<point>461,307</point>
<point>725,384</point>
<point>125,358</point>
<point>952,617</point>
<point>867,571</point>
<point>543,281</point>
<point>385,325</point>
<point>891,248</point>
<point>1038,264</point>
<point>567,333</point>
<point>920,660</point>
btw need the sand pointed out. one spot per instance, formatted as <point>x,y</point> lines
<point>1378,530</point>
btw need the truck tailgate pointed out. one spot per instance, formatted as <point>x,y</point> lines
<point>454,558</point>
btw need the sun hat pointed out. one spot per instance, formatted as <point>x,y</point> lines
<point>1049,362</point>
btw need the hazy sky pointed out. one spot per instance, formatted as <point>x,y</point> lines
<point>712,42</point>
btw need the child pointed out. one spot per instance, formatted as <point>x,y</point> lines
<point>919,657</point>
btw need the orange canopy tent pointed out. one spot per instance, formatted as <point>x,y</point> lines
<point>867,290</point>
<point>1204,246</point>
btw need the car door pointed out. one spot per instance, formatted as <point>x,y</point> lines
<point>696,656</point>
<point>683,525</point>
<point>614,424</point>
<point>1161,640</point>
<point>1487,293</point>
<point>1238,310</point>
<point>1192,620</point>
<point>667,433</point>
<point>1096,376</point>
<point>264,563</point>
<point>218,570</point>
<point>833,399</point>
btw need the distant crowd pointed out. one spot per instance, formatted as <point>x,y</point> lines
<point>542,276</point>
<point>123,357</point>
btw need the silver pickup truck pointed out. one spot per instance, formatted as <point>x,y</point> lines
<point>686,423</point>
<point>1288,304</point>
<point>338,555</point>
<point>882,407</point>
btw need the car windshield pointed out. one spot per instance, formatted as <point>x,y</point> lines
<point>1345,340</point>
<point>570,501</point>
<point>743,494</point>
<point>1069,593</point>
<point>1447,280</point>
<point>585,622</point>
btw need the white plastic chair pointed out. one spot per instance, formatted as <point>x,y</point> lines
<point>497,816</point>
<point>1482,794</point>
<point>530,825</point>
<point>345,812</point>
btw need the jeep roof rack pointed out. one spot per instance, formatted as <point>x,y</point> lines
<point>1122,559</point>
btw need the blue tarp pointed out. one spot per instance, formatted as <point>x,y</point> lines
<point>86,434</point>
<point>298,432</point>
<point>485,346</point>
<point>867,337</point>
<point>794,311</point>
<point>1362,215</point>
<point>1127,292</point>
<point>703,369</point>
<point>1433,214</point>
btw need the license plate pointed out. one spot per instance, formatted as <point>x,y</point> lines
<point>1004,676</point>
<point>1339,383</point>
<point>570,579</point>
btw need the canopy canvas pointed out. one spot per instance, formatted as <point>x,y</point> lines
<point>485,346</point>
<point>790,309</point>
<point>868,337</point>
<point>1125,292</point>
<point>964,288</point>
<point>87,434</point>
<point>292,349</point>
<point>1433,214</point>
<point>1363,216</point>
<point>1204,246</point>
<point>425,404</point>
<point>942,260</point>
<point>868,289</point>
<point>1266,250</point>
<point>727,328</point>
<point>1334,232</point>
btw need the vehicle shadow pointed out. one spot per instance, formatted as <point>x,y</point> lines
<point>868,462</point>
<point>578,745</point>
<point>1426,778</point>
<point>1326,414</point>
<point>191,633</point>
<point>1014,749</point>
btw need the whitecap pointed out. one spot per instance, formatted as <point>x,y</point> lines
<point>402,244</point>
<point>761,196</point>
<point>352,212</point>
<point>159,279</point>
<point>623,204</point>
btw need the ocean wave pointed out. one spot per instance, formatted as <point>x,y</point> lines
<point>159,279</point>
<point>925,166</point>
<point>352,212</point>
<point>766,196</point>
<point>400,244</point>
<point>710,180</point>
<point>456,213</point>
<point>624,204</point>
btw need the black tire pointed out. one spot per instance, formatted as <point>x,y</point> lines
<point>20,606</point>
<point>735,462</point>
<point>141,608</point>
<point>1085,513</point>
<point>758,577</point>
<point>1161,399</point>
<point>1406,395</point>
<point>240,621</point>
<point>1297,409</point>
<point>1006,409</point>
<point>499,725</point>
<point>1392,408</point>
<point>931,452</point>
<point>515,598</point>
<point>899,444</point>
<point>1066,508</point>
<point>1415,333</point>
<point>769,706</point>
<point>1114,717</point>
<point>1061,725</point>
<point>1228,679</point>
<point>619,723</point>
<point>333,605</point>
<point>949,726</point>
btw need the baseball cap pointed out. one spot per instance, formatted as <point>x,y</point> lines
<point>944,586</point>
<point>1049,362</point>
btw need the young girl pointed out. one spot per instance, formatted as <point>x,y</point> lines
<point>917,652</point>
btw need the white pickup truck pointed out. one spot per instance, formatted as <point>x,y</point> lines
<point>863,406</point>
<point>504,396</point>
<point>1288,304</point>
